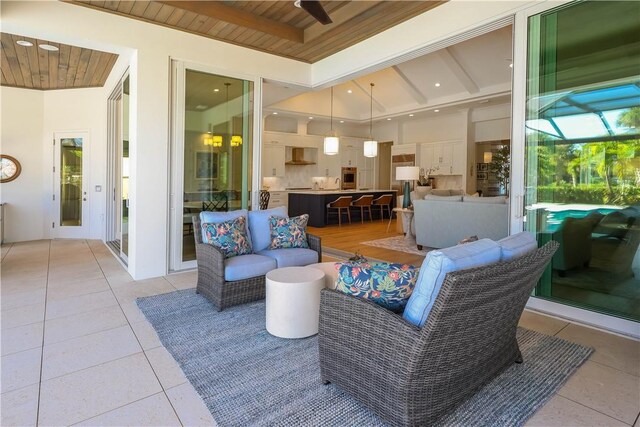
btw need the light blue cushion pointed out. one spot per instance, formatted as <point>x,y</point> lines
<point>292,257</point>
<point>246,266</point>
<point>216,217</point>
<point>436,266</point>
<point>259,226</point>
<point>517,245</point>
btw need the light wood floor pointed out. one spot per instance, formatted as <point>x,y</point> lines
<point>349,238</point>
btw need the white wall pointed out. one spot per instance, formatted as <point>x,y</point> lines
<point>22,124</point>
<point>447,127</point>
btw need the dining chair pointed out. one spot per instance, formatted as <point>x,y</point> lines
<point>264,199</point>
<point>218,201</point>
<point>363,202</point>
<point>342,203</point>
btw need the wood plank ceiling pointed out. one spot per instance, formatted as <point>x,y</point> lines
<point>35,68</point>
<point>276,27</point>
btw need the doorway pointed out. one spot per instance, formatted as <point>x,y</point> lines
<point>384,165</point>
<point>117,233</point>
<point>70,185</point>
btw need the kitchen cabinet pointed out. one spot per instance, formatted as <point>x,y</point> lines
<point>350,156</point>
<point>328,165</point>
<point>278,198</point>
<point>273,158</point>
<point>443,158</point>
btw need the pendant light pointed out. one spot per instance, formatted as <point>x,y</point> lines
<point>234,140</point>
<point>331,141</point>
<point>371,146</point>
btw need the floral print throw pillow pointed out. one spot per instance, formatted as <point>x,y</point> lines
<point>288,232</point>
<point>230,236</point>
<point>388,285</point>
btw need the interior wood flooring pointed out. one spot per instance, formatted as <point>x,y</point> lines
<point>349,238</point>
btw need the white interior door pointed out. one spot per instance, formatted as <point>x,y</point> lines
<point>70,185</point>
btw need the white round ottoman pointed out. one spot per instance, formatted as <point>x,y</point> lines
<point>330,273</point>
<point>293,301</point>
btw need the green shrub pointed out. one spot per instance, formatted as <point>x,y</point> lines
<point>589,194</point>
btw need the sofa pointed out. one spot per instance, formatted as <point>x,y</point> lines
<point>228,281</point>
<point>414,368</point>
<point>442,221</point>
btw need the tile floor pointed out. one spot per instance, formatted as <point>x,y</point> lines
<point>76,349</point>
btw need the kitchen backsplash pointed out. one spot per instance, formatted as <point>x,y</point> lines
<point>299,177</point>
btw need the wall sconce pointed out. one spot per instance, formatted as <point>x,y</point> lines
<point>488,156</point>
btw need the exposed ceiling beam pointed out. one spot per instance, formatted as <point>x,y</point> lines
<point>364,90</point>
<point>458,71</point>
<point>410,86</point>
<point>339,17</point>
<point>218,10</point>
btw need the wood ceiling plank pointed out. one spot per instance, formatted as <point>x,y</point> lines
<point>224,33</point>
<point>92,67</point>
<point>175,16</point>
<point>18,62</point>
<point>34,67</point>
<point>139,8</point>
<point>3,79</point>
<point>152,10</point>
<point>339,16</point>
<point>54,59</point>
<point>23,57</point>
<point>126,6</point>
<point>43,63</point>
<point>74,56</point>
<point>112,58</point>
<point>164,13</point>
<point>217,27</point>
<point>235,16</point>
<point>83,64</point>
<point>6,68</point>
<point>63,65</point>
<point>187,19</point>
<point>199,23</point>
<point>238,34</point>
<point>111,4</point>
<point>101,62</point>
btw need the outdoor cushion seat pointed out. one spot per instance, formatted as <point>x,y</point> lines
<point>291,257</point>
<point>247,266</point>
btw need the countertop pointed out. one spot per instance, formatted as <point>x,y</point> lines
<point>337,191</point>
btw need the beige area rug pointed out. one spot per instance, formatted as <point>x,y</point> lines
<point>398,243</point>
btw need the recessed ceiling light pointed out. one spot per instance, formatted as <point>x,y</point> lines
<point>216,90</point>
<point>201,107</point>
<point>437,84</point>
<point>349,91</point>
<point>24,43</point>
<point>511,65</point>
<point>275,113</point>
<point>389,118</point>
<point>310,118</point>
<point>49,47</point>
<point>341,121</point>
<point>436,111</point>
<point>410,115</point>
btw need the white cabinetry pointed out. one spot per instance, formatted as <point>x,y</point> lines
<point>443,158</point>
<point>278,198</point>
<point>328,165</point>
<point>273,159</point>
<point>350,156</point>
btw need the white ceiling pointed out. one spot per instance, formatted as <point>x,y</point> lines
<point>475,72</point>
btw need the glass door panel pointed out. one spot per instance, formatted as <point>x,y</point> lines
<point>582,155</point>
<point>71,173</point>
<point>124,170</point>
<point>218,134</point>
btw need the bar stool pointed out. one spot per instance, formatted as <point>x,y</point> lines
<point>363,202</point>
<point>264,199</point>
<point>383,201</point>
<point>342,202</point>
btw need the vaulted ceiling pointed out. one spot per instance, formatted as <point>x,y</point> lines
<point>276,27</point>
<point>27,64</point>
<point>476,72</point>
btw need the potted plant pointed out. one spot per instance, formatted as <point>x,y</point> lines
<point>500,166</point>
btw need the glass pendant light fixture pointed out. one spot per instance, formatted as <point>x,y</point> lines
<point>371,146</point>
<point>331,141</point>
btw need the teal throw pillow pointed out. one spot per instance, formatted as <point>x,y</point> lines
<point>288,232</point>
<point>388,285</point>
<point>229,236</point>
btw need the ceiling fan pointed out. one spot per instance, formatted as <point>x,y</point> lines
<point>315,9</point>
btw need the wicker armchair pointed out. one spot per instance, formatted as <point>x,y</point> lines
<point>211,282</point>
<point>412,376</point>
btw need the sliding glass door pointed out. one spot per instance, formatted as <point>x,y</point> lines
<point>582,153</point>
<point>213,146</point>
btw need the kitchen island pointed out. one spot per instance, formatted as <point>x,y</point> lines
<point>314,203</point>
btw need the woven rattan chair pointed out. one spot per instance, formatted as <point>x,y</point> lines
<point>264,199</point>
<point>363,202</point>
<point>412,376</point>
<point>342,203</point>
<point>383,201</point>
<point>211,282</point>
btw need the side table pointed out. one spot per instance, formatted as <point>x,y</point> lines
<point>407,216</point>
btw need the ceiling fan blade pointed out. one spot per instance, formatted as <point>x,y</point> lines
<point>315,9</point>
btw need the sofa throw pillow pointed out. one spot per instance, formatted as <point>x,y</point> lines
<point>229,236</point>
<point>288,232</point>
<point>436,266</point>
<point>215,217</point>
<point>388,285</point>
<point>260,226</point>
<point>517,245</point>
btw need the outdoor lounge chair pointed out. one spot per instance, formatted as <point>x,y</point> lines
<point>412,376</point>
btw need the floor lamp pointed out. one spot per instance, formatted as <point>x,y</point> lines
<point>407,173</point>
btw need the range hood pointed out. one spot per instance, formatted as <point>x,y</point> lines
<point>297,157</point>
